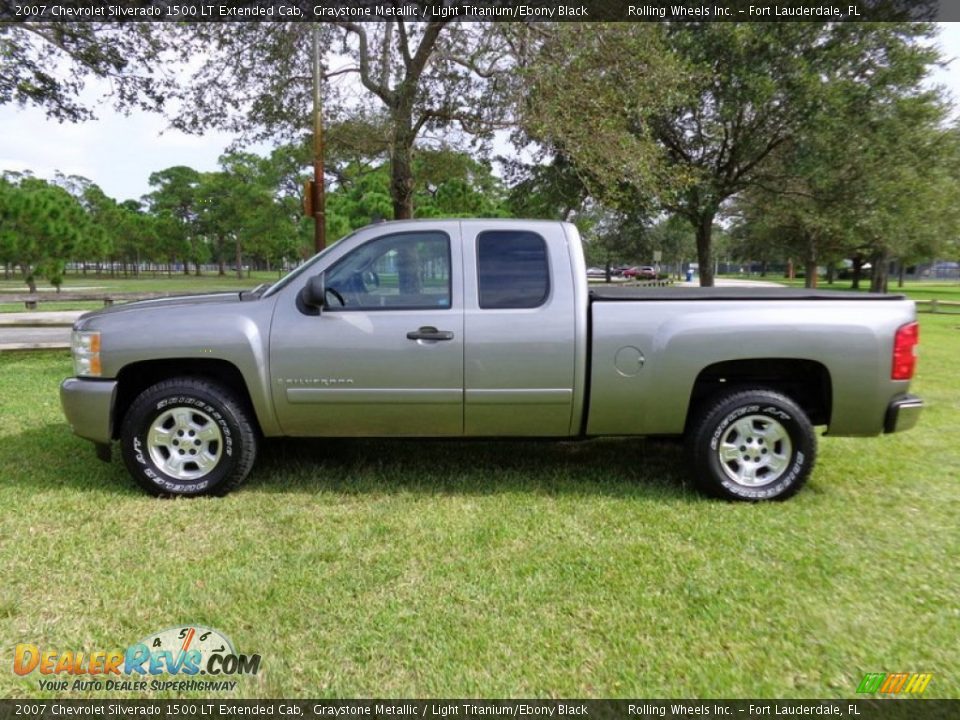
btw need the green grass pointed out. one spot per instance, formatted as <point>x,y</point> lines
<point>178,282</point>
<point>446,569</point>
<point>105,285</point>
<point>52,306</point>
<point>916,289</point>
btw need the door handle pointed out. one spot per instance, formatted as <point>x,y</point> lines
<point>428,332</point>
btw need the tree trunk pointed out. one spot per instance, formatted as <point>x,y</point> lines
<point>878,280</point>
<point>831,273</point>
<point>704,230</point>
<point>401,174</point>
<point>810,264</point>
<point>900,271</point>
<point>857,269</point>
<point>29,278</point>
<point>239,254</point>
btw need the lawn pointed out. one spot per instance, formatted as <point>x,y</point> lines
<point>450,569</point>
<point>916,289</point>
<point>147,283</point>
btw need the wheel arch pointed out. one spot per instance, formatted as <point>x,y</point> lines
<point>136,377</point>
<point>806,382</point>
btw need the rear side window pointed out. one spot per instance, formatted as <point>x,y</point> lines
<point>513,270</point>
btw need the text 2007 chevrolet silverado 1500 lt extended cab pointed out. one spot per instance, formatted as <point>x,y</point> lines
<point>486,328</point>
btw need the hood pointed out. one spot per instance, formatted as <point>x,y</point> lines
<point>223,297</point>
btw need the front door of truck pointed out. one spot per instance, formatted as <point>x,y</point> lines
<point>384,357</point>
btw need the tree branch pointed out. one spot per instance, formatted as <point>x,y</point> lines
<point>366,77</point>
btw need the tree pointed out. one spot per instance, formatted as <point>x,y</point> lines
<point>423,76</point>
<point>135,235</point>
<point>837,186</point>
<point>177,204</point>
<point>674,238</point>
<point>550,188</point>
<point>39,225</point>
<point>453,184</point>
<point>241,211</point>
<point>449,184</point>
<point>592,86</point>
<point>686,116</point>
<point>96,239</point>
<point>47,65</point>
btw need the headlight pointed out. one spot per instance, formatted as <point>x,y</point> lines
<point>85,345</point>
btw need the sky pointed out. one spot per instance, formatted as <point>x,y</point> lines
<point>119,152</point>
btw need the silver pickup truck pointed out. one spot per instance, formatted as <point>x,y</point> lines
<point>487,328</point>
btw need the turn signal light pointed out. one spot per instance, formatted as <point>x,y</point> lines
<point>85,345</point>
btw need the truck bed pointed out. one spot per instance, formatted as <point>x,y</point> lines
<point>661,294</point>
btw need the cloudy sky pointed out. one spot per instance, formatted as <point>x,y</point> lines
<point>119,153</point>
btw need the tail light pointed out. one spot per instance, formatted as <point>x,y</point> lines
<point>905,351</point>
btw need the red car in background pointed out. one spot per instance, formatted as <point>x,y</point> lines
<point>644,272</point>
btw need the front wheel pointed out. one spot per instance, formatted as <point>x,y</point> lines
<point>752,445</point>
<point>188,436</point>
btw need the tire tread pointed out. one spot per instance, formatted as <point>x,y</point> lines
<point>235,407</point>
<point>698,440</point>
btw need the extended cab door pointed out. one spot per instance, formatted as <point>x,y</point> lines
<point>521,330</point>
<point>385,356</point>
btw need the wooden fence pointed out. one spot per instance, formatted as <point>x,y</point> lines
<point>949,307</point>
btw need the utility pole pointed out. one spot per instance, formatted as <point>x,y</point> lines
<point>319,195</point>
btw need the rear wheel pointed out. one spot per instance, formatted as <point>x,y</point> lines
<point>188,436</point>
<point>752,445</point>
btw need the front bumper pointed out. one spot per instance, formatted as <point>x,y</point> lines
<point>902,413</point>
<point>88,405</point>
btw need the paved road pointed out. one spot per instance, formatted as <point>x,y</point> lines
<point>733,282</point>
<point>11,338</point>
<point>26,330</point>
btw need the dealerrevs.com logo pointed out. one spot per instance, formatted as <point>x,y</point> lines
<point>186,651</point>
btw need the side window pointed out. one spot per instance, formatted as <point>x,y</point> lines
<point>513,269</point>
<point>404,271</point>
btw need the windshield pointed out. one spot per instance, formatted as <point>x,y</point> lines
<point>298,271</point>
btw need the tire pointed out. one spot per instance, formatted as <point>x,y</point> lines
<point>752,445</point>
<point>187,437</point>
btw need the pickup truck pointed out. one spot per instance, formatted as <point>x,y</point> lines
<point>487,328</point>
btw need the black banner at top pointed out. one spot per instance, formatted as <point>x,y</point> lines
<point>477,10</point>
<point>453,709</point>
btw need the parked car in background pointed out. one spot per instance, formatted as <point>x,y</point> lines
<point>596,272</point>
<point>644,272</point>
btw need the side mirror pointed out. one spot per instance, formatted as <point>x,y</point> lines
<point>313,296</point>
